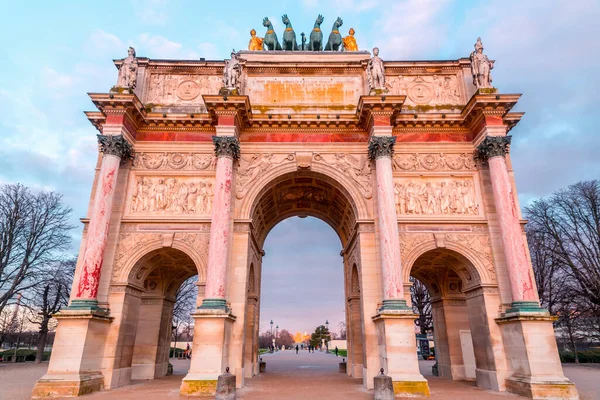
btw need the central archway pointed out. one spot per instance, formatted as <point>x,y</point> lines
<point>305,193</point>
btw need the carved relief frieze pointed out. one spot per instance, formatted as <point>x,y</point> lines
<point>435,196</point>
<point>251,167</point>
<point>432,90</point>
<point>158,195</point>
<point>479,244</point>
<point>354,166</point>
<point>181,90</point>
<point>433,162</point>
<point>198,241</point>
<point>174,161</point>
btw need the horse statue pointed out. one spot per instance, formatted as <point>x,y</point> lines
<point>316,36</point>
<point>335,39</point>
<point>270,40</point>
<point>289,36</point>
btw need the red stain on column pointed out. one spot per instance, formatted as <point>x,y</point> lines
<point>511,234</point>
<point>97,234</point>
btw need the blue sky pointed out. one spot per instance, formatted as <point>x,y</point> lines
<point>53,53</point>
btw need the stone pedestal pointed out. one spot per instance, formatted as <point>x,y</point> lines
<point>212,331</point>
<point>398,352</point>
<point>532,356</point>
<point>75,365</point>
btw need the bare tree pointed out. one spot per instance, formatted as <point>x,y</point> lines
<point>570,223</point>
<point>421,304</point>
<point>34,231</point>
<point>343,330</point>
<point>185,303</point>
<point>285,338</point>
<point>48,299</point>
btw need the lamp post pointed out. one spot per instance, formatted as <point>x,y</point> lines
<point>272,338</point>
<point>325,340</point>
<point>276,334</point>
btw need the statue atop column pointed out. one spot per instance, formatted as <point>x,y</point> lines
<point>270,41</point>
<point>231,75</point>
<point>256,43</point>
<point>128,71</point>
<point>376,73</point>
<point>481,67</point>
<point>350,41</point>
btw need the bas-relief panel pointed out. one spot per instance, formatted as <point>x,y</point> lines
<point>166,90</point>
<point>310,92</point>
<point>357,167</point>
<point>433,161</point>
<point>174,161</point>
<point>433,90</point>
<point>170,196</point>
<point>252,166</point>
<point>436,196</point>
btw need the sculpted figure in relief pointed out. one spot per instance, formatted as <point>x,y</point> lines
<point>359,170</point>
<point>172,196</point>
<point>481,67</point>
<point>376,71</point>
<point>128,71</point>
<point>432,198</point>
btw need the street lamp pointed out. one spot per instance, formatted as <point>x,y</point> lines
<point>276,332</point>
<point>325,340</point>
<point>272,338</point>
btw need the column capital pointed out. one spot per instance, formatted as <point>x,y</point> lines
<point>381,146</point>
<point>115,145</point>
<point>493,146</point>
<point>227,146</point>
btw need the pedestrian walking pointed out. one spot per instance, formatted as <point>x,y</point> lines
<point>336,351</point>
<point>297,348</point>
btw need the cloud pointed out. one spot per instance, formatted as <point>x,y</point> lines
<point>157,46</point>
<point>412,28</point>
<point>151,12</point>
<point>101,42</point>
<point>57,81</point>
<point>209,51</point>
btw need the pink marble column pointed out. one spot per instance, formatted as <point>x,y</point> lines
<point>494,149</point>
<point>227,150</point>
<point>381,150</point>
<point>114,148</point>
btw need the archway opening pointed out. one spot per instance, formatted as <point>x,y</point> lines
<point>168,278</point>
<point>441,280</point>
<point>302,284</point>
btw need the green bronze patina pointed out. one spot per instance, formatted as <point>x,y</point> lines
<point>271,40</point>
<point>316,36</point>
<point>335,39</point>
<point>289,36</point>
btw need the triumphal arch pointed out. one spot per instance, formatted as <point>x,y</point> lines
<point>409,163</point>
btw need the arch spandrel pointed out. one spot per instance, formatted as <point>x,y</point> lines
<point>469,255</point>
<point>360,199</point>
<point>129,267</point>
<point>302,193</point>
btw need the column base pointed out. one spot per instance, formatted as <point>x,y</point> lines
<point>534,365</point>
<point>198,387</point>
<point>86,305</point>
<point>394,305</point>
<point>398,352</point>
<point>67,385</point>
<point>526,307</point>
<point>411,388</point>
<point>542,390</point>
<point>212,331</point>
<point>214,304</point>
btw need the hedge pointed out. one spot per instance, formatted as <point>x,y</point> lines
<point>22,355</point>
<point>585,356</point>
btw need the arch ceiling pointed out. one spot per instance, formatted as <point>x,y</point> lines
<point>304,194</point>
